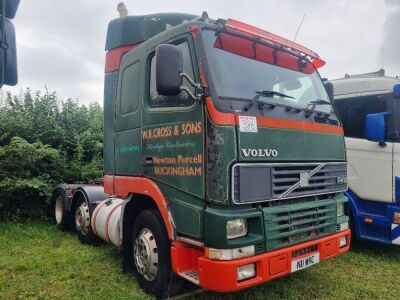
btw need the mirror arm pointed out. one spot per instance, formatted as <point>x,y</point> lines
<point>186,89</point>
<point>199,90</point>
<point>188,78</point>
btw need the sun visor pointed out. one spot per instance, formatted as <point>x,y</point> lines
<point>136,29</point>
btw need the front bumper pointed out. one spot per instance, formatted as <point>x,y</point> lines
<point>221,276</point>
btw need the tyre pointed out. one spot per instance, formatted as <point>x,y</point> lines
<point>60,214</point>
<point>352,227</point>
<point>82,223</point>
<point>152,256</point>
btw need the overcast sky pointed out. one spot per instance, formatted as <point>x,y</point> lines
<point>61,43</point>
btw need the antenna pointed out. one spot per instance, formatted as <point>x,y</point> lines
<point>298,29</point>
<point>383,47</point>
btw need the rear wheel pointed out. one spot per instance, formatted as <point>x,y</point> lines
<point>152,256</point>
<point>60,214</point>
<point>82,223</point>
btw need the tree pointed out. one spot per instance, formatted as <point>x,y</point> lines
<point>45,141</point>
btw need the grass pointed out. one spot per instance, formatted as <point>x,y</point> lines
<point>37,261</point>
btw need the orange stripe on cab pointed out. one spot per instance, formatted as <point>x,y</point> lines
<point>226,119</point>
<point>298,125</point>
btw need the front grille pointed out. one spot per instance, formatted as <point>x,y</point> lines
<point>259,248</point>
<point>293,224</point>
<point>266,182</point>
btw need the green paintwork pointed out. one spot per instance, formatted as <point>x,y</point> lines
<point>136,29</point>
<point>200,204</point>
<point>187,211</point>
<point>295,146</point>
<point>110,85</point>
<point>221,154</point>
<point>297,222</point>
<point>128,117</point>
<point>216,218</point>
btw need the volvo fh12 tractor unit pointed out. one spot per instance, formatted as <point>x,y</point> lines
<point>224,163</point>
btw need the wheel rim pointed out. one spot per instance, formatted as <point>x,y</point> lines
<point>82,218</point>
<point>146,254</point>
<point>58,210</point>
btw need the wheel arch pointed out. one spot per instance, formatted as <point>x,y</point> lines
<point>135,204</point>
<point>65,191</point>
<point>92,194</point>
<point>139,188</point>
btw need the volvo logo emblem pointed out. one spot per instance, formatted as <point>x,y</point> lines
<point>260,152</point>
<point>304,180</point>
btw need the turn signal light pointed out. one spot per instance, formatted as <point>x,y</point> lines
<point>396,218</point>
<point>368,220</point>
<point>229,254</point>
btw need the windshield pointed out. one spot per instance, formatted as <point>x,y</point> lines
<point>240,68</point>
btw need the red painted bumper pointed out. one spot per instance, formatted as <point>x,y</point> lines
<point>221,276</point>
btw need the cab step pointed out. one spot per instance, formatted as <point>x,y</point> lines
<point>191,275</point>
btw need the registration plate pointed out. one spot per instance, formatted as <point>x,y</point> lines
<point>305,262</point>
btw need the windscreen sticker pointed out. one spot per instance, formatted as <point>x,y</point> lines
<point>247,124</point>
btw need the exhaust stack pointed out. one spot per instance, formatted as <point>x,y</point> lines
<point>122,9</point>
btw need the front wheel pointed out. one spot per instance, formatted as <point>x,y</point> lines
<point>152,256</point>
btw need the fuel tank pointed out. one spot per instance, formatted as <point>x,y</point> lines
<point>106,220</point>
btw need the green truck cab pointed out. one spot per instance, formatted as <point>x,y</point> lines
<point>224,162</point>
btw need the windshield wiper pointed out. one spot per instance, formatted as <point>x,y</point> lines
<point>264,94</point>
<point>313,104</point>
<point>273,93</point>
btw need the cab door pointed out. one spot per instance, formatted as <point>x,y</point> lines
<point>173,142</point>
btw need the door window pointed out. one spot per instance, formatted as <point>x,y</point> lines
<point>183,99</point>
<point>130,89</point>
<point>353,112</point>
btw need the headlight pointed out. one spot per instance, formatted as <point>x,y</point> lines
<point>236,228</point>
<point>340,209</point>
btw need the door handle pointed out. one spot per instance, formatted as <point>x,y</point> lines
<point>148,161</point>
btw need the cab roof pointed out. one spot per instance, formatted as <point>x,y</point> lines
<point>137,29</point>
<point>364,85</point>
<point>133,30</point>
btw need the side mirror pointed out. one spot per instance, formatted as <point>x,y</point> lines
<point>11,7</point>
<point>8,52</point>
<point>169,65</point>
<point>396,90</point>
<point>375,127</point>
<point>330,90</point>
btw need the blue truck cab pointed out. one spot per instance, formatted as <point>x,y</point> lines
<point>369,108</point>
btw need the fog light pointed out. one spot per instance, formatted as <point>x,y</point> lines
<point>229,254</point>
<point>246,272</point>
<point>236,228</point>
<point>343,241</point>
<point>396,218</point>
<point>344,226</point>
<point>340,209</point>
